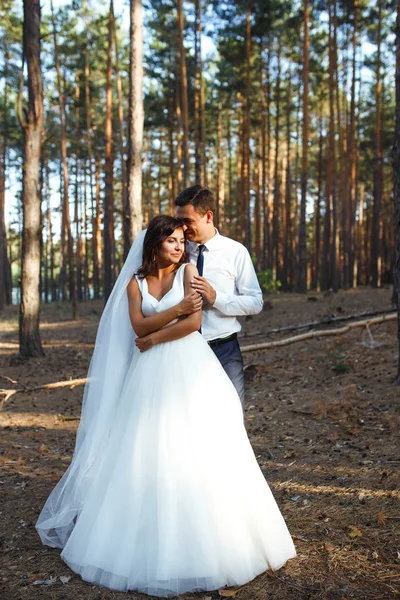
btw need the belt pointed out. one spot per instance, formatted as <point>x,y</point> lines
<point>222,341</point>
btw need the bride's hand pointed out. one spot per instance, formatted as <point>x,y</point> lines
<point>145,343</point>
<point>190,304</point>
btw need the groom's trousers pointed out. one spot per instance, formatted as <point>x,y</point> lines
<point>228,353</point>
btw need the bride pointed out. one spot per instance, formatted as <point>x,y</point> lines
<point>164,494</point>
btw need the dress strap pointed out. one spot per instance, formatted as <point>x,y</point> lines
<point>140,283</point>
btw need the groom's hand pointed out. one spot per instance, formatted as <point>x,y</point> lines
<point>201,285</point>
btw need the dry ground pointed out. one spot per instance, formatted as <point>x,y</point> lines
<point>323,419</point>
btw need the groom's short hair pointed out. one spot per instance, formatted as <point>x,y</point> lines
<point>201,198</point>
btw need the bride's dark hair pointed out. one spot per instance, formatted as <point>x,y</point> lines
<point>159,229</point>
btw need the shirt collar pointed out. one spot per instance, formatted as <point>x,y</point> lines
<point>211,243</point>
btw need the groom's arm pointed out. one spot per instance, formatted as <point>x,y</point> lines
<point>248,301</point>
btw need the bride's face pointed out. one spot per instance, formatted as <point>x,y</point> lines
<point>172,248</point>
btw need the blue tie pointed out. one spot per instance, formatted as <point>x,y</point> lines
<point>200,263</point>
<point>200,259</point>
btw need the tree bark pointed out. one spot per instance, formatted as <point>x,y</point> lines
<point>396,187</point>
<point>97,221</point>
<point>287,236</point>
<point>3,236</point>
<point>351,163</point>
<point>88,110</point>
<point>171,172</point>
<point>277,187</point>
<point>375,233</point>
<point>135,118</point>
<point>66,220</point>
<point>108,230</point>
<point>184,93</point>
<point>197,75</point>
<point>29,337</point>
<point>231,217</point>
<point>317,207</point>
<point>78,251</point>
<point>302,271</point>
<point>5,267</point>
<point>121,140</point>
<point>220,195</point>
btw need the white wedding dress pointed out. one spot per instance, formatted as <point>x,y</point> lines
<point>179,502</point>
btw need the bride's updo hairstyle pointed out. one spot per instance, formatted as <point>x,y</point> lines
<point>159,229</point>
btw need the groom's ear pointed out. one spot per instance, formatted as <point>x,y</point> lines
<point>209,216</point>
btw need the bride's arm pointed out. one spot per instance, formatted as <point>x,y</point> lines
<point>178,330</point>
<point>146,325</point>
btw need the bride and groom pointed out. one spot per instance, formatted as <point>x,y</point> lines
<point>164,494</point>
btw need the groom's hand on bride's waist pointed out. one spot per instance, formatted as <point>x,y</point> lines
<point>201,285</point>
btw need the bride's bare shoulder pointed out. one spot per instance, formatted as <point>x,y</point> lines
<point>133,287</point>
<point>190,270</point>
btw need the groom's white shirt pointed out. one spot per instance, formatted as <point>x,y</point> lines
<point>229,269</point>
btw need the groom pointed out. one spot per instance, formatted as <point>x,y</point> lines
<point>227,280</point>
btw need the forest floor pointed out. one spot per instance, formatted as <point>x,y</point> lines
<point>323,419</point>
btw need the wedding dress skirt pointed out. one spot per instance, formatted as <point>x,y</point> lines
<point>179,502</point>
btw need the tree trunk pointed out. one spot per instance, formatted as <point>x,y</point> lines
<point>317,207</point>
<point>3,236</point>
<point>302,272</point>
<point>197,74</point>
<point>184,93</point>
<point>5,267</point>
<point>78,251</point>
<point>160,174</point>
<point>396,186</point>
<point>29,337</point>
<point>287,236</point>
<point>328,273</point>
<point>267,161</point>
<point>98,260</point>
<point>340,198</point>
<point>257,201</point>
<point>135,118</point>
<point>231,214</point>
<point>277,188</point>
<point>220,195</point>
<point>108,231</point>
<point>179,153</point>
<point>376,218</point>
<point>66,220</point>
<point>121,140</point>
<point>351,162</point>
<point>171,173</point>
<point>246,138</point>
<point>88,111</point>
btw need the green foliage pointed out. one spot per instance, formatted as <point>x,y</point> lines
<point>267,282</point>
<point>338,357</point>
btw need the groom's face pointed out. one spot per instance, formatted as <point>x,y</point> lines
<point>195,225</point>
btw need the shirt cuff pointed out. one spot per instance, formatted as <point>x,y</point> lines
<point>220,301</point>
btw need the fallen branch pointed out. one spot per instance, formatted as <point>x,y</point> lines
<point>322,333</point>
<point>324,321</point>
<point>71,383</point>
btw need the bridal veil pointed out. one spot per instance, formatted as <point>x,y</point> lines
<point>108,367</point>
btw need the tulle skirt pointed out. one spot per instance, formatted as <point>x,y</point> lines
<point>179,502</point>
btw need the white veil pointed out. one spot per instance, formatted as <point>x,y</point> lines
<point>107,370</point>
